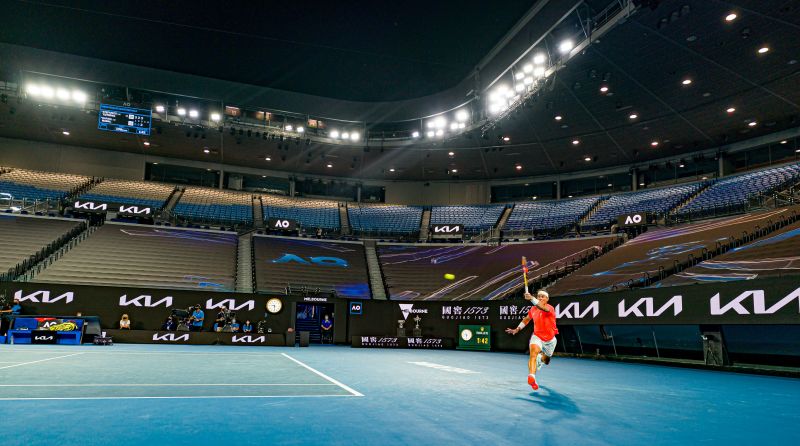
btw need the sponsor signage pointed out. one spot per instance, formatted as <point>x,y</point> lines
<point>230,304</point>
<point>447,231</point>
<point>408,309</point>
<point>43,337</point>
<point>315,299</point>
<point>356,308</point>
<point>400,342</point>
<point>44,297</point>
<point>90,207</point>
<point>145,300</point>
<point>474,337</point>
<point>465,312</point>
<point>175,338</point>
<point>282,224</point>
<point>639,219</point>
<point>134,211</point>
<point>248,339</point>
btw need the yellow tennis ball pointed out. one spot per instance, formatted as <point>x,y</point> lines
<point>449,276</point>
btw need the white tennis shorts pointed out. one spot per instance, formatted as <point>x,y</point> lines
<point>547,347</point>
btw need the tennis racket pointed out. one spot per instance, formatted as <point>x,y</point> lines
<point>525,272</point>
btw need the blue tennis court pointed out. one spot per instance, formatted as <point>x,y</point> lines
<point>339,395</point>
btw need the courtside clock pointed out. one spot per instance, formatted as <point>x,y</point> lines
<point>274,305</point>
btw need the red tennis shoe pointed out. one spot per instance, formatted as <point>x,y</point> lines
<point>532,382</point>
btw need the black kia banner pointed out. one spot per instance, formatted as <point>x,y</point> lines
<point>447,231</point>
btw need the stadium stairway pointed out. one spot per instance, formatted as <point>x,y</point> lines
<point>172,200</point>
<point>245,276</point>
<point>310,325</point>
<point>344,220</point>
<point>504,216</point>
<point>258,213</point>
<point>591,211</point>
<point>691,197</point>
<point>83,188</point>
<point>425,224</point>
<point>374,271</point>
<point>59,252</point>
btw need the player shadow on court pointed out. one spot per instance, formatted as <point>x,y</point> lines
<point>553,400</point>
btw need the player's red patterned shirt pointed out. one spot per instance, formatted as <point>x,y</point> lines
<point>544,322</point>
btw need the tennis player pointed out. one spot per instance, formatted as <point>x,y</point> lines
<point>543,339</point>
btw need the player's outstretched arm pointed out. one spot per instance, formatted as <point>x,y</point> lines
<point>522,324</point>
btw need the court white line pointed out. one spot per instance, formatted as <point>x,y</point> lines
<point>161,385</point>
<point>176,397</point>
<point>325,376</point>
<point>40,360</point>
<point>147,353</point>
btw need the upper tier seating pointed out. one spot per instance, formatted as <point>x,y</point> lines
<point>133,193</point>
<point>737,189</point>
<point>632,263</point>
<point>308,213</point>
<point>415,272</point>
<point>33,185</point>
<point>134,255</point>
<point>772,256</point>
<point>651,200</point>
<point>388,219</point>
<point>284,261</point>
<point>474,218</point>
<point>544,215</point>
<point>22,237</point>
<point>205,204</point>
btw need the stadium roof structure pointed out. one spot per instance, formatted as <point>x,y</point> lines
<point>640,84</point>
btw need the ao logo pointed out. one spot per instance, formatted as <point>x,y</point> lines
<point>322,261</point>
<point>633,219</point>
<point>282,224</point>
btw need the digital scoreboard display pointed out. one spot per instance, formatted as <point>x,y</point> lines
<point>124,119</point>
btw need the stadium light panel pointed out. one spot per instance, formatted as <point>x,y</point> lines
<point>519,87</point>
<point>453,126</point>
<point>47,92</point>
<point>440,133</point>
<point>430,134</point>
<point>159,109</point>
<point>528,81</point>
<point>345,135</point>
<point>462,115</point>
<point>215,117</point>
<point>519,75</point>
<point>289,128</point>
<point>334,134</point>
<point>566,46</point>
<point>63,94</point>
<point>440,122</point>
<point>538,71</point>
<point>181,112</point>
<point>79,96</point>
<point>355,136</point>
<point>33,90</point>
<point>462,125</point>
<point>415,134</point>
<point>300,129</point>
<point>527,68</point>
<point>539,59</point>
<point>193,113</point>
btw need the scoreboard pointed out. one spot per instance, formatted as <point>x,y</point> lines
<point>474,337</point>
<point>124,119</point>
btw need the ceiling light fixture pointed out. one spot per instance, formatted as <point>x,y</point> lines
<point>633,116</point>
<point>587,159</point>
<point>506,138</point>
<point>686,81</point>
<point>575,142</point>
<point>65,133</point>
<point>731,109</point>
<point>763,49</point>
<point>604,89</point>
<point>784,141</point>
<point>558,117</point>
<point>730,17</point>
<point>146,143</point>
<point>752,123</point>
<point>267,159</point>
<point>519,167</point>
<point>329,165</point>
<point>451,153</point>
<point>206,151</point>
